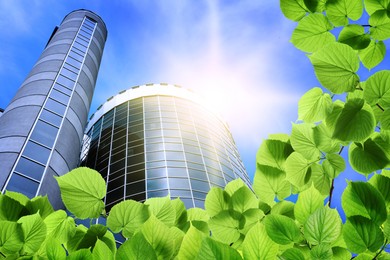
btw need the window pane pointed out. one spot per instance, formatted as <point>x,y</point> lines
<point>55,106</point>
<point>58,96</point>
<point>36,152</point>
<point>44,133</point>
<point>23,185</point>
<point>200,185</point>
<point>157,184</point>
<point>73,62</point>
<point>63,89</point>
<point>30,168</point>
<point>50,117</point>
<point>159,193</point>
<point>177,183</point>
<point>65,81</point>
<point>156,173</point>
<point>71,68</point>
<point>76,56</point>
<point>69,74</point>
<point>79,46</point>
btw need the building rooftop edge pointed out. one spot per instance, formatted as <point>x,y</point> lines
<point>86,10</point>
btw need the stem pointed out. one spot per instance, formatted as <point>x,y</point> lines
<point>332,186</point>
<point>3,255</point>
<point>366,25</point>
<point>380,107</point>
<point>380,251</point>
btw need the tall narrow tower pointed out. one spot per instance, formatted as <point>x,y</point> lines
<point>42,128</point>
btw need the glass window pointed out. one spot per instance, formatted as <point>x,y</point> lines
<point>199,203</point>
<point>85,33</point>
<point>51,117</point>
<point>63,89</point>
<point>115,183</point>
<point>82,39</point>
<point>23,185</point>
<point>155,147</point>
<point>174,147</point>
<point>200,185</point>
<point>174,155</point>
<point>160,193</point>
<point>115,195</point>
<point>69,74</point>
<point>30,168</point>
<point>197,174</point>
<point>155,164</point>
<point>71,68</point>
<point>135,176</point>
<point>187,202</point>
<point>78,52</point>
<point>180,193</point>
<point>171,163</point>
<point>135,159</point>
<point>137,197</point>
<point>55,106</point>
<point>58,96</point>
<point>36,152</point>
<point>199,195</point>
<point>178,183</point>
<point>155,156</point>
<point>76,56</point>
<point>44,133</point>
<point>177,172</point>
<point>157,173</point>
<point>74,62</point>
<point>157,184</point>
<point>136,187</point>
<point>79,46</point>
<point>65,81</point>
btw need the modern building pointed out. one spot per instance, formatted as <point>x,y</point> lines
<point>1,111</point>
<point>42,128</point>
<point>160,139</point>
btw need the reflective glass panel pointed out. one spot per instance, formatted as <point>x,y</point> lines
<point>51,117</point>
<point>63,89</point>
<point>55,106</point>
<point>157,184</point>
<point>23,185</point>
<point>58,96</point>
<point>65,81</point>
<point>36,152</point>
<point>30,168</point>
<point>44,133</point>
<point>69,74</point>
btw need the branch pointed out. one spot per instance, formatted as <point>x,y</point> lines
<point>380,107</point>
<point>332,187</point>
<point>380,251</point>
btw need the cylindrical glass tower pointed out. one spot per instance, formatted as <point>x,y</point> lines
<point>159,139</point>
<point>42,128</point>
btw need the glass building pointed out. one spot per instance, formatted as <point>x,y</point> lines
<point>159,139</point>
<point>42,128</point>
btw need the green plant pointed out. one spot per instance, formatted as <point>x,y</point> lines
<point>237,223</point>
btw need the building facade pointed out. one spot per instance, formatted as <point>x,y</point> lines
<point>42,128</point>
<point>159,139</point>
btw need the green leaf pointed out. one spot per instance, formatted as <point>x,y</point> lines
<point>361,234</point>
<point>373,54</point>
<point>312,33</point>
<point>60,226</point>
<point>293,254</point>
<point>302,140</point>
<point>101,251</point>
<point>270,182</point>
<point>335,66</point>
<point>377,90</point>
<point>225,226</point>
<point>339,11</point>
<point>298,171</point>
<point>333,165</point>
<point>340,253</point>
<point>211,249</point>
<point>34,232</point>
<point>82,254</point>
<point>41,204</point>
<point>21,198</point>
<point>285,208</point>
<point>243,199</point>
<point>355,36</point>
<point>159,237</point>
<point>181,212</point>
<point>362,199</point>
<point>293,10</point>
<point>308,202</point>
<point>217,200</point>
<point>321,252</point>
<point>177,236</point>
<point>273,153</point>
<point>72,244</point>
<point>54,250</point>
<point>367,157</point>
<point>128,215</point>
<point>320,179</point>
<point>93,233</point>
<point>385,120</point>
<point>11,237</point>
<point>323,226</point>
<point>281,229</point>
<point>162,209</point>
<point>380,25</point>
<point>234,185</point>
<point>356,121</point>
<point>197,214</point>
<point>252,216</point>
<point>82,191</point>
<point>374,5</point>
<point>137,248</point>
<point>382,184</point>
<point>257,244</point>
<point>314,106</point>
<point>323,138</point>
<point>191,244</point>
<point>11,209</point>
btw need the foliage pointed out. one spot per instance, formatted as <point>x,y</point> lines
<point>238,223</point>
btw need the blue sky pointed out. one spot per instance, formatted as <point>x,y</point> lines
<point>236,53</point>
